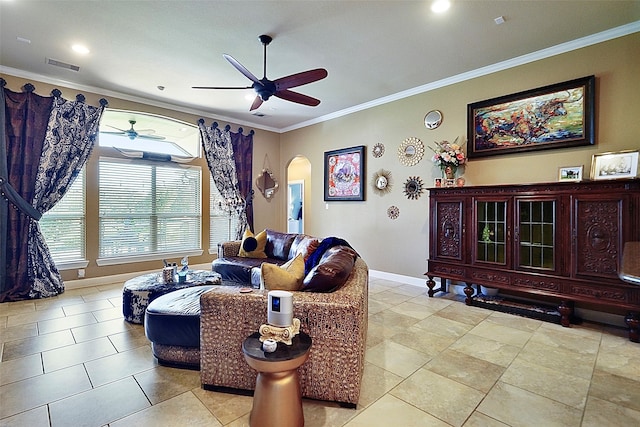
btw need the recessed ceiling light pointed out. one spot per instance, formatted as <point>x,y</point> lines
<point>440,6</point>
<point>78,48</point>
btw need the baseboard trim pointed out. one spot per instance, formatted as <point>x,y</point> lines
<point>399,278</point>
<point>115,278</point>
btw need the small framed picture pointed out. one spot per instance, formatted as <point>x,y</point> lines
<point>449,182</point>
<point>570,173</point>
<point>615,165</point>
<point>437,182</point>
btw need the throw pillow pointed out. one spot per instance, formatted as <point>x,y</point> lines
<point>253,246</point>
<point>333,270</point>
<point>287,277</point>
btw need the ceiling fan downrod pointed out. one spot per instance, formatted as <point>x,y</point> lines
<point>265,40</point>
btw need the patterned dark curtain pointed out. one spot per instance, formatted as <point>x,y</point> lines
<point>230,160</point>
<point>45,142</point>
<point>243,156</point>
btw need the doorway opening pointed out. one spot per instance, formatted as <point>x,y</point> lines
<point>298,181</point>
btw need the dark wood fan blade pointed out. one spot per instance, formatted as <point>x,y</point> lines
<point>300,79</point>
<point>220,87</point>
<point>297,97</point>
<point>238,66</point>
<point>256,103</point>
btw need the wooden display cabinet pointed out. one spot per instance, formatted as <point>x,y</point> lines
<point>558,240</point>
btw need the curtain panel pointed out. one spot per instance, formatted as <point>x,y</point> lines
<point>230,159</point>
<point>46,142</point>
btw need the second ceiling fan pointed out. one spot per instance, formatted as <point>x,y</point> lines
<point>266,88</point>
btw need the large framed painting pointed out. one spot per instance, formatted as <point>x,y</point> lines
<point>344,174</point>
<point>555,116</point>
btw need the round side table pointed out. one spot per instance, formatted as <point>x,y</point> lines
<point>277,401</point>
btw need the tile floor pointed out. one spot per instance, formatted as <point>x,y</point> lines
<point>72,361</point>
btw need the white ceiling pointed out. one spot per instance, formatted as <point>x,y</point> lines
<point>373,50</point>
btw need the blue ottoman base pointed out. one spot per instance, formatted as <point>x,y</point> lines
<point>172,324</point>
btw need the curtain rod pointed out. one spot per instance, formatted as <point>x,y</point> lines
<point>227,128</point>
<point>28,88</point>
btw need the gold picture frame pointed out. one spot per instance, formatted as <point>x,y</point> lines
<point>615,165</point>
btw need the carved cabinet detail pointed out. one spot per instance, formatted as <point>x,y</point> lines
<point>562,240</point>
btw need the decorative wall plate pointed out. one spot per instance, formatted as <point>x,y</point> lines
<point>382,182</point>
<point>393,212</point>
<point>378,150</point>
<point>410,151</point>
<point>413,187</point>
<point>433,119</point>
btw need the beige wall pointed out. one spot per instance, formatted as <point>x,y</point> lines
<point>267,214</point>
<point>400,246</point>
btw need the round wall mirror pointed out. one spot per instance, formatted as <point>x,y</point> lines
<point>410,151</point>
<point>413,187</point>
<point>382,182</point>
<point>378,150</point>
<point>433,119</point>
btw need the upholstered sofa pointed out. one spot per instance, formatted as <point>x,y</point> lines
<point>327,261</point>
<point>336,320</point>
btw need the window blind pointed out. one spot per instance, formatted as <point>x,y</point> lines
<point>148,208</point>
<point>63,226</point>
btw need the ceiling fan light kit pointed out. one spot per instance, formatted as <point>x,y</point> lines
<point>279,88</point>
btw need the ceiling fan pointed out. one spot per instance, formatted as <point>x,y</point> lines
<point>266,88</point>
<point>133,134</point>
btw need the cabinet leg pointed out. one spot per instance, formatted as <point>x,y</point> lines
<point>468,291</point>
<point>431,284</point>
<point>633,321</point>
<point>565,313</point>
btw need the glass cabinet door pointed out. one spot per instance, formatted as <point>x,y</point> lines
<point>491,231</point>
<point>536,234</point>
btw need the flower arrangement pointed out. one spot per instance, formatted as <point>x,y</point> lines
<point>448,155</point>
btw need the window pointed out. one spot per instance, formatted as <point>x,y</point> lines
<point>133,132</point>
<point>223,221</point>
<point>63,227</point>
<point>148,210</point>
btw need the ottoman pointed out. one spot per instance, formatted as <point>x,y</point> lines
<point>172,324</point>
<point>138,292</point>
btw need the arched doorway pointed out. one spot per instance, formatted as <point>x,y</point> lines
<point>298,183</point>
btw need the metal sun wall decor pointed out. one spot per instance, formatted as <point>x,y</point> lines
<point>411,151</point>
<point>413,188</point>
<point>393,212</point>
<point>382,182</point>
<point>378,150</point>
